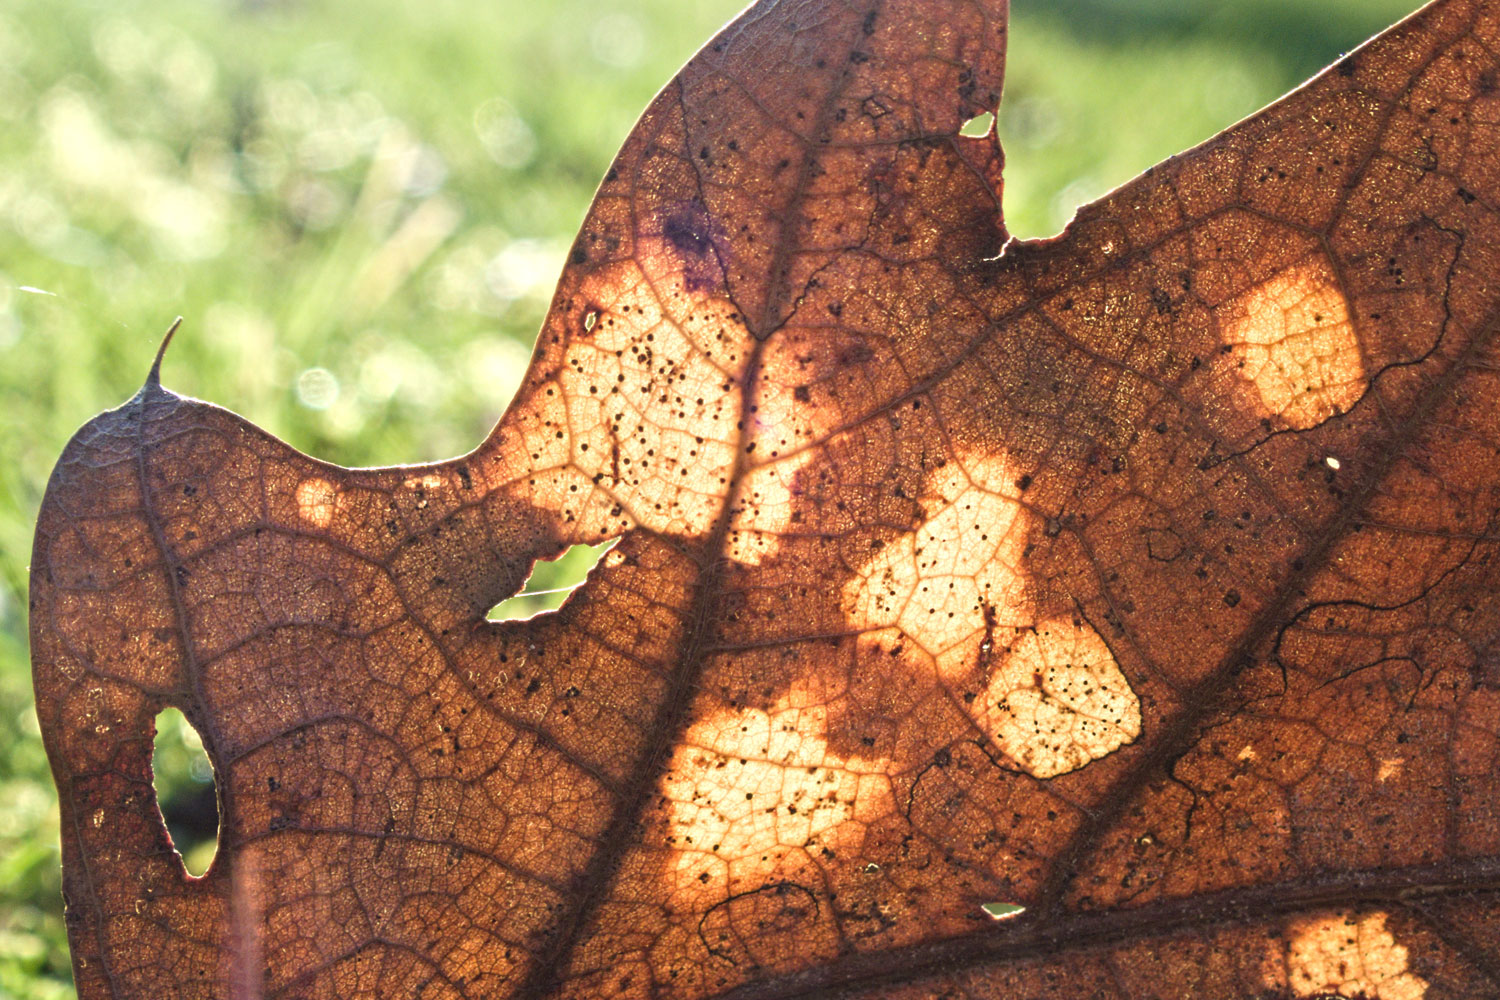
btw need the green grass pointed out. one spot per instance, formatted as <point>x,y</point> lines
<point>361,209</point>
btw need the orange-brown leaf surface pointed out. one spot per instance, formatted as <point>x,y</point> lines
<point>1144,578</point>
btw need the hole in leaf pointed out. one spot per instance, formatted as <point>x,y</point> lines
<point>979,126</point>
<point>184,781</point>
<point>1002,911</point>
<point>550,583</point>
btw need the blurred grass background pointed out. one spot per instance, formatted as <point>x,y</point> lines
<point>361,210</point>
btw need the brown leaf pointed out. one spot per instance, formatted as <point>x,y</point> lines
<point>1144,579</point>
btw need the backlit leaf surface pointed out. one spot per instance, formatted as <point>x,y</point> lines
<point>1107,617</point>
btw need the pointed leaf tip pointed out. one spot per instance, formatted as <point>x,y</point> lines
<point>153,377</point>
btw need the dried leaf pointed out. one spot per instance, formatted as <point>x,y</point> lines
<point>1143,579</point>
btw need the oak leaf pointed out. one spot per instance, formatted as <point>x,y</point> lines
<point>1112,616</point>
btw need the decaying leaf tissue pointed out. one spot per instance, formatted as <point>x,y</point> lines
<point>1144,579</point>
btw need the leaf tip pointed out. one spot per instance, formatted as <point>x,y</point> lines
<point>153,377</point>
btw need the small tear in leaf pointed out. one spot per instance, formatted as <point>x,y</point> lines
<point>550,583</point>
<point>1002,911</point>
<point>183,778</point>
<point>979,126</point>
<point>1332,463</point>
